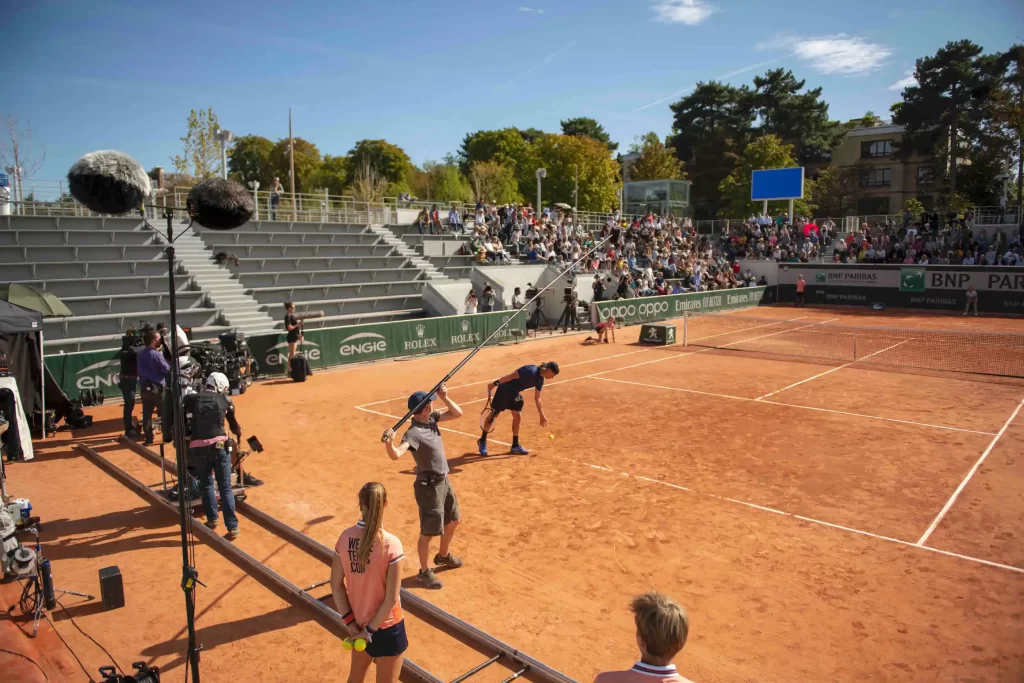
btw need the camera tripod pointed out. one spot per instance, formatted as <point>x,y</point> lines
<point>569,318</point>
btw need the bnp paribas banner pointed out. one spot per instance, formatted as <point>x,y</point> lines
<point>652,308</point>
<point>358,343</point>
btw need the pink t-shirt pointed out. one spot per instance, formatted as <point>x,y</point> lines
<point>643,673</point>
<point>367,586</point>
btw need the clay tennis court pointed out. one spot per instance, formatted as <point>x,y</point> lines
<point>802,510</point>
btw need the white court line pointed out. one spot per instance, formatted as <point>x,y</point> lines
<point>963,484</point>
<point>822,374</point>
<point>762,508</point>
<point>594,360</point>
<point>794,405</point>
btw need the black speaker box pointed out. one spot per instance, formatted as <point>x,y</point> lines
<point>111,588</point>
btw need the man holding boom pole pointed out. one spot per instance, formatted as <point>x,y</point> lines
<point>438,506</point>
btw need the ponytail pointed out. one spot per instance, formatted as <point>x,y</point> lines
<point>372,499</point>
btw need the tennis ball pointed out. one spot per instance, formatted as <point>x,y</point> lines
<point>551,436</point>
<point>360,645</point>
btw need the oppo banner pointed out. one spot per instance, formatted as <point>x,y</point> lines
<point>652,308</point>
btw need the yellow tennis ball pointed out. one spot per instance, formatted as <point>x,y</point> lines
<point>551,436</point>
<point>360,645</point>
<point>347,644</point>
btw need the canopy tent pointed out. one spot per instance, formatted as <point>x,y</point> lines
<point>31,386</point>
<point>34,299</point>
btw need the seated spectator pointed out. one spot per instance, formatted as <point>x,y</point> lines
<point>455,221</point>
<point>435,220</point>
<point>423,221</point>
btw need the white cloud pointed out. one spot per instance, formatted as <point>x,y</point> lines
<point>838,54</point>
<point>531,9</point>
<point>905,82</point>
<point>689,12</point>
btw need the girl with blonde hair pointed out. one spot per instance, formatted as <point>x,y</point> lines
<point>365,578</point>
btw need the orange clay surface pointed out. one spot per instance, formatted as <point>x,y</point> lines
<point>787,526</point>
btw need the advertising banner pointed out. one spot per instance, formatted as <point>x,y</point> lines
<point>654,308</point>
<point>75,372</point>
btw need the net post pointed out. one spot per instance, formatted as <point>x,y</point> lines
<point>686,317</point>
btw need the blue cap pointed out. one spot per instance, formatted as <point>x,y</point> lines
<point>420,397</point>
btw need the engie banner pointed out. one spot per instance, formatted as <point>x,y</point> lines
<point>652,308</point>
<point>323,347</point>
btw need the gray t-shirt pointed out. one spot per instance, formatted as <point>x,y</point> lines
<point>424,439</point>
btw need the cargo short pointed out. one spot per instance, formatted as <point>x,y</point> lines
<point>437,503</point>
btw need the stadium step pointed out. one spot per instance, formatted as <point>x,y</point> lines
<point>394,240</point>
<point>239,310</point>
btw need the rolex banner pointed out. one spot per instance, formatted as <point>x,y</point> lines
<point>652,308</point>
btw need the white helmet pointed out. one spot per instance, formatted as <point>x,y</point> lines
<point>218,382</point>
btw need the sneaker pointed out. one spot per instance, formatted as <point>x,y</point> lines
<point>481,446</point>
<point>429,579</point>
<point>450,561</point>
<point>211,524</point>
<point>233,534</point>
<point>249,480</point>
<point>519,450</point>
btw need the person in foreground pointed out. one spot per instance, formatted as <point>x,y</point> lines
<point>662,626</point>
<point>435,498</point>
<point>365,577</point>
<point>508,396</point>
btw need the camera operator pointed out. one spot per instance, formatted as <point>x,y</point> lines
<point>598,288</point>
<point>152,370</point>
<point>128,382</point>
<point>207,448</point>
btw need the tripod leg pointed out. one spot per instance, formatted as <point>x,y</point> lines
<point>81,595</point>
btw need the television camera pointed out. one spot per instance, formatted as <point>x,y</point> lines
<point>230,357</point>
<point>143,674</point>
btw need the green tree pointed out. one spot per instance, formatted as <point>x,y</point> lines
<point>797,118</point>
<point>307,164</point>
<point>836,191</point>
<point>656,162</point>
<point>946,110</point>
<point>531,135</point>
<point>765,152</point>
<point>332,174</point>
<point>492,182</point>
<point>1008,108</point>
<point>201,151</point>
<point>389,160</point>
<point>914,206</point>
<point>589,128</point>
<point>505,147</point>
<point>439,183</point>
<point>563,156</point>
<point>710,127</point>
<point>249,159</point>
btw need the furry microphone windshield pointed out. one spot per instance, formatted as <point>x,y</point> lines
<point>109,182</point>
<point>220,204</point>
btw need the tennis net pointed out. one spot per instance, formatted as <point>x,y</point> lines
<point>987,353</point>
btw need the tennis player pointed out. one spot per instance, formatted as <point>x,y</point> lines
<point>603,329</point>
<point>508,396</point>
<point>435,498</point>
<point>662,626</point>
<point>365,576</point>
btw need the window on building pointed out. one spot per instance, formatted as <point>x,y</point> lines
<point>927,201</point>
<point>878,148</point>
<point>925,175</point>
<point>876,177</point>
<point>873,206</point>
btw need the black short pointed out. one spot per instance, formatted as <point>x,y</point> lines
<point>388,642</point>
<point>506,399</point>
<point>293,336</point>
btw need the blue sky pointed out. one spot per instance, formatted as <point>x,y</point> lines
<point>123,74</point>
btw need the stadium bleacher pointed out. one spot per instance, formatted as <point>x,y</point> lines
<point>112,274</point>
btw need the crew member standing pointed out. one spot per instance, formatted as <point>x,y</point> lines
<point>128,383</point>
<point>207,448</point>
<point>366,579</point>
<point>801,284</point>
<point>972,300</point>
<point>152,369</point>
<point>438,506</point>
<point>508,396</point>
<point>294,327</point>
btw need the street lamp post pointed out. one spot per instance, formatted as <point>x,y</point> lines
<point>541,173</point>
<point>224,137</point>
<point>254,185</point>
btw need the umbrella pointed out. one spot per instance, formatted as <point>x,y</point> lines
<point>34,299</point>
<point>562,205</point>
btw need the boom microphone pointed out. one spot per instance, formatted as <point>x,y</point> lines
<point>109,182</point>
<point>220,204</point>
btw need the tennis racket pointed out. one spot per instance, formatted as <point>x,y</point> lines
<point>486,413</point>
